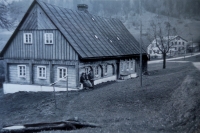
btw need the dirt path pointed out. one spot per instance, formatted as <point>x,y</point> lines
<point>158,61</point>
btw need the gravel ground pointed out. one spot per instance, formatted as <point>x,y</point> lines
<point>168,102</point>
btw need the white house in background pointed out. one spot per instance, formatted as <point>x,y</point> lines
<point>177,43</point>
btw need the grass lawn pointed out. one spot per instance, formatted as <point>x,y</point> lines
<point>167,102</point>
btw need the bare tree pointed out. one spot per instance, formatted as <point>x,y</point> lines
<point>161,34</point>
<point>5,20</point>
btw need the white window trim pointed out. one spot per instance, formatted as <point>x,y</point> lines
<point>106,70</point>
<point>58,73</point>
<point>127,66</point>
<point>132,65</point>
<point>96,70</point>
<point>18,71</point>
<point>87,70</point>
<point>29,42</point>
<point>122,66</point>
<point>45,36</point>
<point>38,75</point>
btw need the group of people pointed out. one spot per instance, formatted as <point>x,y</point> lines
<point>87,80</point>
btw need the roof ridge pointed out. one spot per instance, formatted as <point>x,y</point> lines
<point>39,1</point>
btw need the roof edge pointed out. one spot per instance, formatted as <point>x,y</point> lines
<point>16,30</point>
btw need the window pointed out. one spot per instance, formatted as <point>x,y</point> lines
<point>172,43</point>
<point>96,71</point>
<point>179,43</point>
<point>21,70</point>
<point>131,65</point>
<point>48,38</point>
<point>86,70</point>
<point>183,43</point>
<point>122,66</point>
<point>41,72</point>
<point>28,38</point>
<point>106,69</point>
<point>61,73</point>
<point>175,43</point>
<point>127,66</point>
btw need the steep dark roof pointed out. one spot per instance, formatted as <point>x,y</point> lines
<point>91,36</point>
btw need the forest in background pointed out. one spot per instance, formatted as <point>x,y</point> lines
<point>184,14</point>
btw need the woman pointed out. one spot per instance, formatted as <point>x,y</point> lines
<point>86,83</point>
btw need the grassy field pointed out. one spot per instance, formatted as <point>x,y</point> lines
<point>167,102</point>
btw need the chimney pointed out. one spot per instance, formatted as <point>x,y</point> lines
<point>82,7</point>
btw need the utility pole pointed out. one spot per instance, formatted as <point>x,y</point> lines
<point>140,43</point>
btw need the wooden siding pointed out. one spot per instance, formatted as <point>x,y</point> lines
<point>71,76</point>
<point>101,65</point>
<point>125,70</point>
<point>37,20</point>
<point>51,72</point>
<point>13,74</point>
<point>59,50</point>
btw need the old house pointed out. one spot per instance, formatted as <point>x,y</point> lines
<point>52,42</point>
<point>178,45</point>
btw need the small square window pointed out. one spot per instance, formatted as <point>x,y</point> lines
<point>61,73</point>
<point>28,38</point>
<point>21,71</point>
<point>48,38</point>
<point>41,72</point>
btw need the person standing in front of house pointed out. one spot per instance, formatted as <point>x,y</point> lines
<point>91,78</point>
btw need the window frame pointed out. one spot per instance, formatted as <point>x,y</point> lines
<point>45,72</point>
<point>58,73</point>
<point>86,70</point>
<point>30,40</point>
<point>106,69</point>
<point>127,66</point>
<point>96,72</point>
<point>122,66</point>
<point>18,71</point>
<point>131,65</point>
<point>48,38</point>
